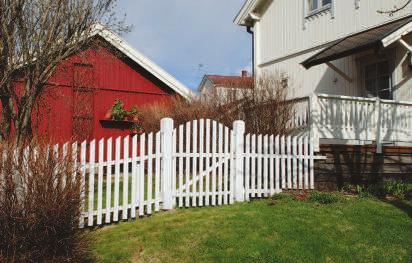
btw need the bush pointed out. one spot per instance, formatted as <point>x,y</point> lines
<point>397,189</point>
<point>260,104</point>
<point>393,188</point>
<point>323,197</point>
<point>40,206</point>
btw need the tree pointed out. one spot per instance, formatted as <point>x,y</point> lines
<point>35,37</point>
<point>395,9</point>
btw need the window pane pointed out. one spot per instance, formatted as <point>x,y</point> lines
<point>370,71</point>
<point>326,2</point>
<point>370,86</point>
<point>383,68</point>
<point>312,5</point>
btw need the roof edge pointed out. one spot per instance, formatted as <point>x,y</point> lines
<point>244,12</point>
<point>397,34</point>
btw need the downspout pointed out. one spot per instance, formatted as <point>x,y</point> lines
<point>250,31</point>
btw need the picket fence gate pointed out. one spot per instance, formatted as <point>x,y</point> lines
<point>200,163</point>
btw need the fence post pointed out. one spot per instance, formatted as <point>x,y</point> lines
<point>314,121</point>
<point>239,188</point>
<point>166,130</point>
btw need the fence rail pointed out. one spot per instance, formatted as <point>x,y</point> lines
<point>200,163</point>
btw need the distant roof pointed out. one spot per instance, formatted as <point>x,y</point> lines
<point>115,40</point>
<point>231,81</point>
<point>377,37</point>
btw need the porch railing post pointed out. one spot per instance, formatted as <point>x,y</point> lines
<point>238,133</point>
<point>378,119</point>
<point>166,131</point>
<point>314,121</point>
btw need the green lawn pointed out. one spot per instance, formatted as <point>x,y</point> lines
<point>355,230</point>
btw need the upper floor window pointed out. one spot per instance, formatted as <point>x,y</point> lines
<point>315,6</point>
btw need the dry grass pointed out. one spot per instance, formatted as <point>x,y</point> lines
<point>262,106</point>
<point>39,207</point>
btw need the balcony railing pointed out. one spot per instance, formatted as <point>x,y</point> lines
<point>354,120</point>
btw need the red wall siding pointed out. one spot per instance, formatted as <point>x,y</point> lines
<point>108,77</point>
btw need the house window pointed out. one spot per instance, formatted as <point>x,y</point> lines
<point>378,80</point>
<point>315,6</point>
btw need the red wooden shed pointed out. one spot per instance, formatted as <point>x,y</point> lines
<point>85,86</point>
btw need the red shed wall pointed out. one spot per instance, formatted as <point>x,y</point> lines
<point>103,76</point>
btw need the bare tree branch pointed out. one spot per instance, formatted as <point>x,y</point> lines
<point>35,38</point>
<point>395,9</point>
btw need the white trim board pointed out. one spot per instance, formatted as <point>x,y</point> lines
<point>143,61</point>
<point>397,35</point>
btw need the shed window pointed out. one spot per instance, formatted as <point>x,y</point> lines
<point>315,6</point>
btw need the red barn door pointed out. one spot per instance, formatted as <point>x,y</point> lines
<point>83,102</point>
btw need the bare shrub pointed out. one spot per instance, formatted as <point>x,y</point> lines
<point>40,206</point>
<point>262,105</point>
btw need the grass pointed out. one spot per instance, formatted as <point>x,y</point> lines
<point>281,230</point>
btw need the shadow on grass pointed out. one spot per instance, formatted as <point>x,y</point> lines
<point>404,205</point>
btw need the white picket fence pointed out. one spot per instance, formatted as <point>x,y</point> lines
<point>200,163</point>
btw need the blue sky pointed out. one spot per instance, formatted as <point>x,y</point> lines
<point>189,38</point>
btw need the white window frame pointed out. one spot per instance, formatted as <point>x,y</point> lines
<point>308,15</point>
<point>321,8</point>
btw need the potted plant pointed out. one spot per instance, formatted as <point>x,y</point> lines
<point>117,111</point>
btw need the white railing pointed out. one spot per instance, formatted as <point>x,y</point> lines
<point>356,119</point>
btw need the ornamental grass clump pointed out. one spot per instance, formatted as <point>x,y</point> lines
<point>40,206</point>
<point>323,197</point>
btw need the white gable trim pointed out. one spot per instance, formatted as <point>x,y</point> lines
<point>143,61</point>
<point>397,35</point>
<point>244,13</point>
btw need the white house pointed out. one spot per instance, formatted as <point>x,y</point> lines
<point>348,63</point>
<point>224,89</point>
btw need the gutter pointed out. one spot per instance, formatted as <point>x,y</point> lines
<point>250,31</point>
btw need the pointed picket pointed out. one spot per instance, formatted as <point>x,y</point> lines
<point>100,183</point>
<point>83,180</point>
<point>91,183</point>
<point>271,166</point>
<point>259,166</point>
<point>277,166</point>
<point>220,168</point>
<point>125,178</point>
<point>135,183</point>
<point>253,173</point>
<point>207,174</point>
<point>150,173</point>
<point>109,180</point>
<point>142,174</point>
<point>226,168</point>
<point>187,166</point>
<point>214,140</point>
<point>247,167</point>
<point>157,173</point>
<point>181,160</point>
<point>201,161</point>
<point>117,180</point>
<point>265,166</point>
<point>194,164</point>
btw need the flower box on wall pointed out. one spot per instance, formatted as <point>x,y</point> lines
<point>117,124</point>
